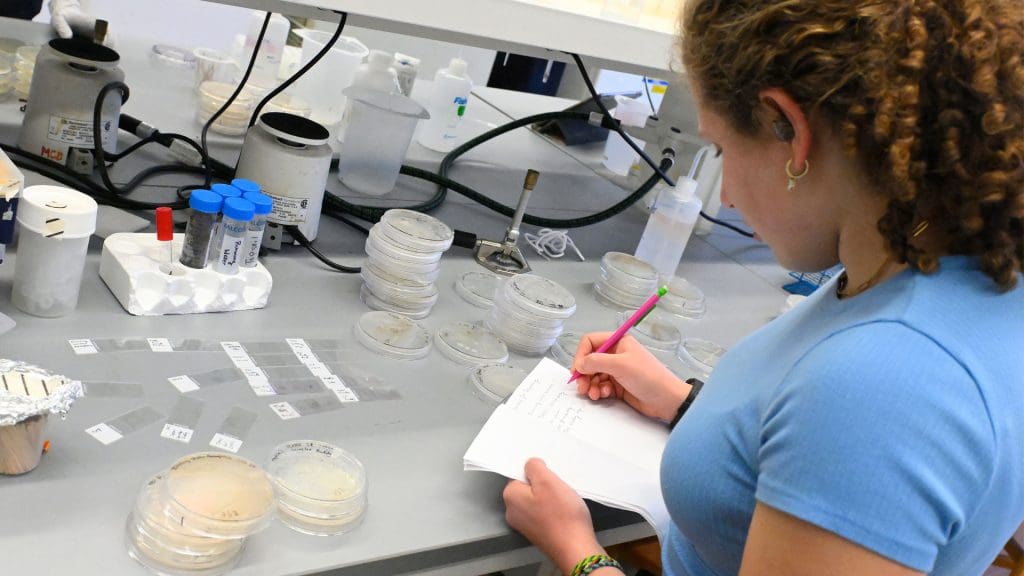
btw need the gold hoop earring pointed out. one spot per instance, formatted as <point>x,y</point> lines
<point>794,177</point>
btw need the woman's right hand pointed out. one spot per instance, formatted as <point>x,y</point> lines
<point>630,372</point>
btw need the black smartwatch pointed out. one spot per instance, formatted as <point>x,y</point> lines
<point>696,386</point>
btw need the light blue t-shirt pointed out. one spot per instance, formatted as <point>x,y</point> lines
<point>894,419</point>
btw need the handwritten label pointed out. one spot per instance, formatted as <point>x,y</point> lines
<point>225,442</point>
<point>175,432</point>
<point>104,433</point>
<point>83,346</point>
<point>336,385</point>
<point>284,410</point>
<point>183,383</point>
<point>237,354</point>
<point>160,345</point>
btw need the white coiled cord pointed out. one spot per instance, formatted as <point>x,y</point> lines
<point>552,243</point>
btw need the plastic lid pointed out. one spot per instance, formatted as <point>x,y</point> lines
<point>55,210</point>
<point>564,349</point>
<point>685,189</point>
<point>495,382</point>
<point>379,59</point>
<point>470,344</point>
<point>417,230</point>
<point>406,60</point>
<point>174,55</point>
<point>540,296</point>
<point>655,332</point>
<point>700,354</point>
<point>164,224</point>
<point>316,476</point>
<point>215,94</point>
<point>238,209</point>
<point>205,201</point>
<point>372,301</point>
<point>246,186</point>
<point>226,190</point>
<point>477,288</point>
<point>393,335</point>
<point>262,203</point>
<point>630,266</point>
<point>683,299</point>
<point>457,67</point>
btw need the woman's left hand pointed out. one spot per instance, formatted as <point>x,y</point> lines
<point>551,516</point>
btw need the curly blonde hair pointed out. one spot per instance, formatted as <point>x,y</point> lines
<point>928,96</point>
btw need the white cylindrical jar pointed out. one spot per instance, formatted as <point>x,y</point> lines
<point>289,156</point>
<point>55,226</point>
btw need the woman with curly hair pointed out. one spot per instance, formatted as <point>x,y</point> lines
<point>878,428</point>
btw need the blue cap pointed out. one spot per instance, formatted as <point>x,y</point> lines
<point>246,185</point>
<point>205,201</point>
<point>262,202</point>
<point>226,190</point>
<point>238,209</point>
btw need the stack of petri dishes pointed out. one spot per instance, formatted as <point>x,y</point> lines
<point>403,260</point>
<point>193,518</point>
<point>477,288</point>
<point>235,120</point>
<point>492,383</point>
<point>320,488</point>
<point>626,281</point>
<point>700,355</point>
<point>392,335</point>
<point>7,76</point>
<point>470,344</point>
<point>683,299</point>
<point>656,332</point>
<point>24,65</point>
<point>529,312</point>
<point>563,350</point>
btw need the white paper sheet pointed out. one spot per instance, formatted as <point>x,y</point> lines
<point>605,450</point>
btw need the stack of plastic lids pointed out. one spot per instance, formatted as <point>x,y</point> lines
<point>494,382</point>
<point>683,299</point>
<point>392,335</point>
<point>529,312</point>
<point>193,519</point>
<point>477,288</point>
<point>563,350</point>
<point>470,344</point>
<point>24,65</point>
<point>403,260</point>
<point>655,332</point>
<point>700,355</point>
<point>320,488</point>
<point>235,120</point>
<point>626,281</point>
<point>7,77</point>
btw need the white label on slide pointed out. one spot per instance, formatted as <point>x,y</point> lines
<point>225,442</point>
<point>284,410</point>
<point>160,345</point>
<point>104,433</point>
<point>83,346</point>
<point>175,432</point>
<point>183,383</point>
<point>238,356</point>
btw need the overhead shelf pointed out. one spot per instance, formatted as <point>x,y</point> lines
<point>505,25</point>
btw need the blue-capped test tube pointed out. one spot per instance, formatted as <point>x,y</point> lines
<point>237,212</point>
<point>205,206</point>
<point>254,234</point>
<point>225,191</point>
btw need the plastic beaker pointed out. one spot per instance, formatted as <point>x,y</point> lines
<point>215,65</point>
<point>378,136</point>
<point>322,86</point>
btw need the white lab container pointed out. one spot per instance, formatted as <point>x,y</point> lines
<point>268,60</point>
<point>289,156</point>
<point>55,224</point>
<point>618,155</point>
<point>378,136</point>
<point>669,228</point>
<point>448,103</point>
<point>322,86</point>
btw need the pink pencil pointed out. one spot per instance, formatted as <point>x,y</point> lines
<point>635,319</point>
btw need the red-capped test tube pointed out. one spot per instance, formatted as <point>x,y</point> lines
<point>165,230</point>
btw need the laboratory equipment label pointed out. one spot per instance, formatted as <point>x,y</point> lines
<point>288,210</point>
<point>160,345</point>
<point>83,346</point>
<point>225,442</point>
<point>175,432</point>
<point>70,131</point>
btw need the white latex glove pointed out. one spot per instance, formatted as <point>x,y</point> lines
<point>67,17</point>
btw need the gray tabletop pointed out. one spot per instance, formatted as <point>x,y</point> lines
<point>415,419</point>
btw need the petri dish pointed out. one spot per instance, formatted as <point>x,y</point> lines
<point>616,298</point>
<point>519,316</point>
<point>683,299</point>
<point>470,344</point>
<point>159,560</point>
<point>411,283</point>
<point>154,530</point>
<point>656,332</point>
<point>288,104</point>
<point>235,120</point>
<point>628,268</point>
<point>320,488</point>
<point>376,303</point>
<point>217,495</point>
<point>416,230</point>
<point>398,291</point>
<point>700,355</point>
<point>173,56</point>
<point>477,288</point>
<point>399,252</point>
<point>564,348</point>
<point>392,335</point>
<point>540,296</point>
<point>495,382</point>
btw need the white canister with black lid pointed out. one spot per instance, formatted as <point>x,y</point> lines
<point>55,224</point>
<point>290,158</point>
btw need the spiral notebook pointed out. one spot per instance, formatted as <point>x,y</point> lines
<point>605,450</point>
